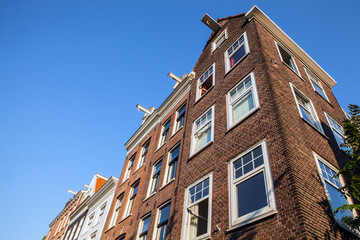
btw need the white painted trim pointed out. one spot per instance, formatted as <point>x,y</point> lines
<point>213,44</point>
<point>308,73</point>
<point>198,97</point>
<point>296,70</point>
<point>226,56</point>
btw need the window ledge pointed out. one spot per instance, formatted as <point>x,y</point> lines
<point>318,130</point>
<point>327,100</point>
<point>167,184</point>
<point>124,218</point>
<point>152,194</point>
<point>176,132</point>
<point>192,155</point>
<point>198,99</point>
<point>226,73</point>
<point>138,169</point>
<point>109,229</point>
<point>123,182</point>
<point>161,147</point>
<point>259,217</point>
<point>253,111</point>
<point>297,74</point>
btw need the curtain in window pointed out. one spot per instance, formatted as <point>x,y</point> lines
<point>243,106</point>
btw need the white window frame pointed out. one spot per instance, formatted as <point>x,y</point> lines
<point>296,70</point>
<point>90,221</point>
<point>198,91</point>
<point>93,235</point>
<point>169,168</point>
<point>77,233</point>
<point>342,183</point>
<point>227,56</point>
<point>115,215</point>
<point>163,139</point>
<point>101,212</point>
<point>152,191</point>
<point>131,200</point>
<point>336,131</point>
<point>296,92</point>
<point>129,167</point>
<point>141,225</point>
<point>185,227</point>
<point>314,80</point>
<point>156,227</point>
<point>144,153</point>
<point>193,142</point>
<point>230,104</point>
<point>214,43</point>
<point>270,194</point>
<point>177,127</point>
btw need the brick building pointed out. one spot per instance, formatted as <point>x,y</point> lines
<point>245,147</point>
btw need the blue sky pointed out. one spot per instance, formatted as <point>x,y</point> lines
<point>72,72</point>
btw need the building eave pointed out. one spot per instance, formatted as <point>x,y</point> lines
<point>283,38</point>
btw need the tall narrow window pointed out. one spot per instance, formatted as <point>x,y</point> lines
<point>165,133</point>
<point>101,213</point>
<point>251,192</point>
<point>116,210</point>
<point>144,227</point>
<point>144,152</point>
<point>287,59</point>
<point>242,100</point>
<point>129,167</point>
<point>306,109</point>
<point>315,82</point>
<point>180,117</point>
<point>73,231</point>
<point>205,81</point>
<point>198,209</point>
<point>79,228</point>
<point>236,52</point>
<point>132,197</point>
<point>90,220</point>
<point>162,220</point>
<point>203,130</point>
<point>337,131</point>
<point>172,163</point>
<point>155,177</point>
<point>332,184</point>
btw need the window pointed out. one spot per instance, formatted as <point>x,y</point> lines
<point>198,209</point>
<point>68,233</point>
<point>172,163</point>
<point>315,82</point>
<point>131,201</point>
<point>92,237</point>
<point>219,40</point>
<point>116,210</point>
<point>73,231</point>
<point>129,167</point>
<point>91,217</point>
<point>236,52</point>
<point>180,118</point>
<point>155,177</point>
<point>165,133</point>
<point>287,58</point>
<point>242,100</point>
<point>144,227</point>
<point>332,185</point>
<point>144,152</point>
<point>101,213</point>
<point>203,130</point>
<point>205,82</point>
<point>337,132</point>
<point>161,227</point>
<point>251,189</point>
<point>306,109</point>
<point>122,237</point>
<point>79,228</point>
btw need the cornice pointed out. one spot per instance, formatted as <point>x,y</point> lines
<point>284,39</point>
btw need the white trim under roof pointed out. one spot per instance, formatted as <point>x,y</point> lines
<point>282,37</point>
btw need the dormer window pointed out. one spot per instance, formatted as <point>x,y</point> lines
<point>206,81</point>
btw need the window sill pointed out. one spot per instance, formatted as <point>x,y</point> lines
<point>297,73</point>
<point>176,132</point>
<point>192,155</point>
<point>166,184</point>
<point>228,71</point>
<point>198,99</point>
<point>138,169</point>
<point>160,147</point>
<point>327,100</point>
<point>259,217</point>
<point>123,182</point>
<point>148,197</point>
<point>124,218</point>
<point>109,229</point>
<point>242,119</point>
<point>318,130</point>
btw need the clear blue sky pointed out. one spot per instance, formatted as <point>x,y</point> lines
<point>72,72</point>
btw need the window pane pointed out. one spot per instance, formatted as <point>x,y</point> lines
<point>307,115</point>
<point>337,200</point>
<point>146,223</point>
<point>251,195</point>
<point>204,137</point>
<point>242,107</point>
<point>198,219</point>
<point>238,55</point>
<point>164,214</point>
